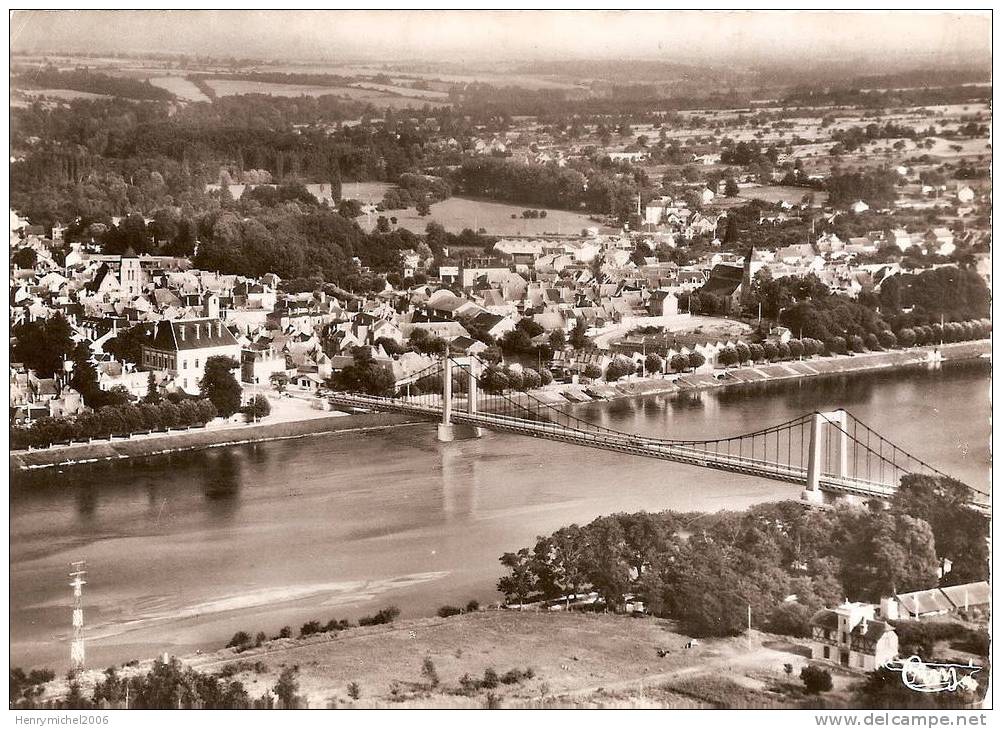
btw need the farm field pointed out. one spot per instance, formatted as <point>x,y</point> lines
<point>64,94</point>
<point>233,87</point>
<point>458,213</point>
<point>781,193</point>
<point>180,87</point>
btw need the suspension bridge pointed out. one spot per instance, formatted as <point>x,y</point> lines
<point>824,452</point>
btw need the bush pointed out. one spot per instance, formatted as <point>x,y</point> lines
<point>310,628</point>
<point>285,632</point>
<point>472,606</point>
<point>241,640</point>
<point>887,339</point>
<point>816,680</point>
<point>871,342</point>
<point>383,617</point>
<point>490,679</point>
<point>447,611</point>
<point>354,691</point>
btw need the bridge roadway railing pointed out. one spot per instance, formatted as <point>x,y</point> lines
<point>627,443</point>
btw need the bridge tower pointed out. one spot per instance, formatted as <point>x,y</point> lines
<point>471,366</point>
<point>839,418</point>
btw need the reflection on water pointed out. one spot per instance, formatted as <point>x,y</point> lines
<point>370,511</point>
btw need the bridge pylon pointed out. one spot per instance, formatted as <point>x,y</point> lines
<point>447,429</point>
<point>839,420</point>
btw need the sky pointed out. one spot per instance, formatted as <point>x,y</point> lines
<point>471,36</point>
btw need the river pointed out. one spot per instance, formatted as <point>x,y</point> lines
<point>184,550</point>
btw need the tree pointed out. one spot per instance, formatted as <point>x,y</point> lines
<point>25,258</point>
<point>558,340</point>
<point>960,533</point>
<point>279,380</point>
<point>679,363</point>
<point>354,691</point>
<point>816,680</point>
<point>578,337</point>
<point>364,375</point>
<point>220,386</point>
<point>906,337</point>
<point>653,364</point>
<point>206,410</point>
<point>770,351</point>
<point>428,672</point>
<point>520,581</point>
<point>43,345</point>
<point>287,687</point>
<point>152,390</point>
<point>728,356</point>
<point>619,367</point>
<point>696,360</point>
<point>258,408</point>
<point>731,188</point>
<point>423,208</point>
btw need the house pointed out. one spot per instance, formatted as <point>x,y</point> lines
<point>900,238</point>
<point>943,241</point>
<point>859,207</point>
<point>852,636</point>
<point>939,601</point>
<point>181,348</point>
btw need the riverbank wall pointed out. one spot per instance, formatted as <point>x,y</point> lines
<point>793,369</point>
<point>554,394</point>
<point>194,440</point>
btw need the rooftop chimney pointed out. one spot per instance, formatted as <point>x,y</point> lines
<point>181,328</point>
<point>198,331</point>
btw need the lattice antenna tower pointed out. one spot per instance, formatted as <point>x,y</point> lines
<point>77,646</point>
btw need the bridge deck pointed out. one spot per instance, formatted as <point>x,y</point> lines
<point>624,443</point>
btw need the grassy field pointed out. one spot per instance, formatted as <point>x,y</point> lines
<point>576,660</point>
<point>781,193</point>
<point>457,213</point>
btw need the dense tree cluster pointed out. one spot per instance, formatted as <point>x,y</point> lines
<point>706,570</point>
<point>172,685</point>
<point>548,185</point>
<point>120,420</point>
<point>874,187</point>
<point>91,82</point>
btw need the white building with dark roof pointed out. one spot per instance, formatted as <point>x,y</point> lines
<point>181,348</point>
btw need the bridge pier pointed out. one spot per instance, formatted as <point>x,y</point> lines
<point>447,430</point>
<point>818,422</point>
